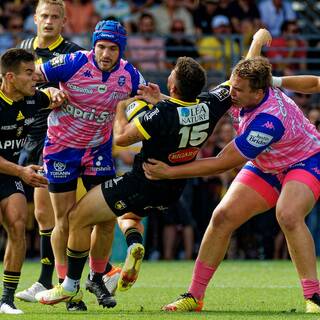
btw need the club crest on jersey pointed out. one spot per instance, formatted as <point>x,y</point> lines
<point>120,205</point>
<point>193,114</point>
<point>121,81</point>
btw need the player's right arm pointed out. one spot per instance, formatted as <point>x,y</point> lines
<point>28,174</point>
<point>303,83</point>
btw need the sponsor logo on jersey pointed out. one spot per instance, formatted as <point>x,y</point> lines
<point>19,131</point>
<point>57,61</point>
<point>87,74</point>
<point>59,166</point>
<point>12,144</point>
<point>79,89</point>
<point>19,185</point>
<point>30,101</point>
<point>77,113</point>
<point>141,79</point>
<point>194,114</point>
<point>20,116</point>
<point>316,170</point>
<point>28,121</point>
<point>11,127</point>
<point>120,205</point>
<point>258,139</point>
<point>151,114</point>
<point>281,105</point>
<point>118,95</point>
<point>269,125</point>
<point>183,155</point>
<point>121,81</point>
<point>102,88</point>
<point>161,208</point>
<point>221,93</point>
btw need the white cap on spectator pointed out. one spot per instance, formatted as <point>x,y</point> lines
<point>219,21</point>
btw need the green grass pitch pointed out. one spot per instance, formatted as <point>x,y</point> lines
<point>240,290</point>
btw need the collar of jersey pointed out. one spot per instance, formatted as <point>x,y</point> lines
<point>243,111</point>
<point>184,103</point>
<point>52,45</point>
<point>5,98</point>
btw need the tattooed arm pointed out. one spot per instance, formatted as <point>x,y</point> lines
<point>125,133</point>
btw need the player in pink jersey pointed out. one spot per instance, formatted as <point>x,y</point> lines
<point>280,150</point>
<point>79,139</point>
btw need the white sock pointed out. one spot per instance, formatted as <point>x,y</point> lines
<point>70,284</point>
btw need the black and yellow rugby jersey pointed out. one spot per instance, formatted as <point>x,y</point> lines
<point>16,118</point>
<point>60,46</point>
<point>175,130</point>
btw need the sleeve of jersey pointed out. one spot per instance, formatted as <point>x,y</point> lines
<point>220,99</point>
<point>44,99</point>
<point>151,122</point>
<point>136,78</point>
<point>64,66</point>
<point>264,130</point>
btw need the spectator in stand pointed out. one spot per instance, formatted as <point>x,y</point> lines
<point>274,12</point>
<point>204,14</point>
<point>244,9</point>
<point>145,50</point>
<point>14,27</point>
<point>79,13</point>
<point>168,11</point>
<point>119,9</point>
<point>288,51</point>
<point>218,51</point>
<point>178,44</point>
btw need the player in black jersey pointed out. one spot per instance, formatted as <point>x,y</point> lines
<point>174,130</point>
<point>49,18</point>
<point>19,103</point>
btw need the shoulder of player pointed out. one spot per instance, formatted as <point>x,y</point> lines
<point>27,44</point>
<point>67,46</point>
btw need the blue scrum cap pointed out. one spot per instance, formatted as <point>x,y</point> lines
<point>111,31</point>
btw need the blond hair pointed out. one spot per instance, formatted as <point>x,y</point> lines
<point>59,3</point>
<point>257,70</point>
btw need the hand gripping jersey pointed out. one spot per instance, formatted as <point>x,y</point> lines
<point>176,130</point>
<point>16,118</point>
<point>86,120</point>
<point>60,46</point>
<point>275,133</point>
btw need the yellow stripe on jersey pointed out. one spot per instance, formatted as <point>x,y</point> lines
<point>52,46</point>
<point>5,98</point>
<point>184,103</point>
<point>141,129</point>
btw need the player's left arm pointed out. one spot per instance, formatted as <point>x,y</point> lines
<point>125,133</point>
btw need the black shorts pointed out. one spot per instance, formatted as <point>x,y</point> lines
<point>131,193</point>
<point>10,185</point>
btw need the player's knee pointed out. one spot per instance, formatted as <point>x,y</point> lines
<point>223,218</point>
<point>16,230</point>
<point>61,226</point>
<point>288,219</point>
<point>76,220</point>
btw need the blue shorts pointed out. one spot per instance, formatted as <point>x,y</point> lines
<point>64,165</point>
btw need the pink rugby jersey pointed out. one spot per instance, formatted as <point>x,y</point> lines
<point>86,119</point>
<point>275,134</point>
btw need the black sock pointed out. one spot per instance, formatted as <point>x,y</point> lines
<point>10,283</point>
<point>47,258</point>
<point>133,236</point>
<point>108,268</point>
<point>76,262</point>
<point>95,276</point>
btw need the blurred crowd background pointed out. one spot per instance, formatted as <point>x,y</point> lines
<point>217,33</point>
